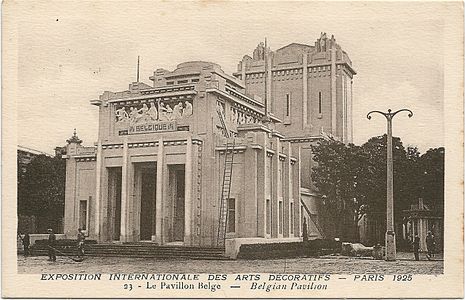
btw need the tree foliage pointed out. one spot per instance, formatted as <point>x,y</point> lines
<point>41,190</point>
<point>352,179</point>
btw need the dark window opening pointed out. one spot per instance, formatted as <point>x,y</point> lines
<point>292,217</point>
<point>288,105</point>
<point>83,214</point>
<point>268,216</point>
<point>231,215</point>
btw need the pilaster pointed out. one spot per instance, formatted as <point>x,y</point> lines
<point>159,194</point>
<point>269,79</point>
<point>98,210</point>
<point>248,222</point>
<point>350,113</point>
<point>188,194</point>
<point>243,67</point>
<point>333,92</point>
<point>124,192</point>
<point>305,116</point>
<point>261,185</point>
<point>296,193</point>
<point>70,198</point>
<point>287,191</point>
<point>275,195</point>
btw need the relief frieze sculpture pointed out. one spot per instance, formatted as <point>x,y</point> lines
<point>160,112</point>
<point>160,116</point>
<point>235,117</point>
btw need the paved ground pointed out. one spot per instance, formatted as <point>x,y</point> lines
<point>330,264</point>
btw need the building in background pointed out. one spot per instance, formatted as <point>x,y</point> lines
<point>24,157</point>
<point>200,155</point>
<point>310,90</point>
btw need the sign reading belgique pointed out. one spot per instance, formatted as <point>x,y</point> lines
<point>152,127</point>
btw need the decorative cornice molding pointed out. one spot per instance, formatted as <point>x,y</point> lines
<point>152,144</point>
<point>112,146</point>
<point>237,149</point>
<point>85,158</point>
<point>302,139</point>
<point>269,152</point>
<point>143,145</point>
<point>184,95</point>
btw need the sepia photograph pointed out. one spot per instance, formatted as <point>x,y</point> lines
<point>232,149</point>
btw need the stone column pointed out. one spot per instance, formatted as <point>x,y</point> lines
<point>188,194</point>
<point>124,192</point>
<point>305,116</point>
<point>333,93</point>
<point>98,176</point>
<point>159,194</point>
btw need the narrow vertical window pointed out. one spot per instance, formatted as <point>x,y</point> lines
<point>268,216</point>
<point>292,217</point>
<point>281,216</point>
<point>83,214</point>
<point>301,217</point>
<point>288,105</point>
<point>231,215</point>
<point>319,102</point>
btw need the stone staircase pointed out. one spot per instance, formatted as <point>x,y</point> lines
<point>140,250</point>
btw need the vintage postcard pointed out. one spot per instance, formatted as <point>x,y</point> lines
<point>242,149</point>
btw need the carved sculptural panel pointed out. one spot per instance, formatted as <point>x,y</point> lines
<point>159,111</point>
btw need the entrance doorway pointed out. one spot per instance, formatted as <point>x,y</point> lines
<point>177,182</point>
<point>114,202</point>
<point>148,182</point>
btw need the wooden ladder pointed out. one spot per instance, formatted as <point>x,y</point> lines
<point>226,182</point>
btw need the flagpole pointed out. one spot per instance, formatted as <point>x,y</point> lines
<point>138,68</point>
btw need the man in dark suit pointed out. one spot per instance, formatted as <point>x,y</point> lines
<point>51,245</point>
<point>80,242</point>
<point>26,243</point>
<point>416,247</point>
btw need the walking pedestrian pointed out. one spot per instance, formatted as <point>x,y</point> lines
<point>416,247</point>
<point>26,243</point>
<point>80,243</point>
<point>51,245</point>
<point>430,245</point>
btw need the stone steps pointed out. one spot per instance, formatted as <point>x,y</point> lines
<point>141,250</point>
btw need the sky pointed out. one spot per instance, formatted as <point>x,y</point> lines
<point>71,52</point>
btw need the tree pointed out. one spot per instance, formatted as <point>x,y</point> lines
<point>41,191</point>
<point>373,177</point>
<point>352,180</point>
<point>335,176</point>
<point>431,179</point>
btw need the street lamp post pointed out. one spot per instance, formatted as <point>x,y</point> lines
<point>390,232</point>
